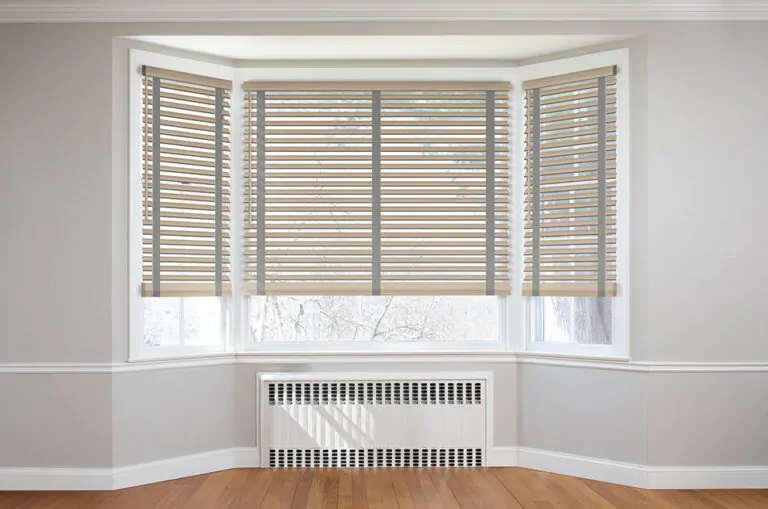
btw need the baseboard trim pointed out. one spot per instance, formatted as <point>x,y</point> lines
<point>184,466</point>
<point>644,476</point>
<point>707,478</point>
<point>98,479</point>
<point>55,479</point>
<point>582,466</point>
<point>629,474</point>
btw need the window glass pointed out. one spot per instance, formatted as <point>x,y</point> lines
<point>374,319</point>
<point>573,320</point>
<point>183,321</point>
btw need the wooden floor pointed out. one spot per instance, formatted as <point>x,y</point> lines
<point>511,488</point>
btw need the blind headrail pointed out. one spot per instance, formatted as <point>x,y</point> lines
<point>572,77</point>
<point>367,86</point>
<point>196,79</point>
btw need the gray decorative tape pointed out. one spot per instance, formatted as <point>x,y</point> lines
<point>218,218</point>
<point>376,193</point>
<point>261,287</point>
<point>490,192</point>
<point>601,202</point>
<point>535,156</point>
<point>156,187</point>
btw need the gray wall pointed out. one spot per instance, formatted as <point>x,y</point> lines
<point>56,420</point>
<point>708,419</point>
<point>166,413</point>
<point>588,412</point>
<point>707,237</point>
<point>698,245</point>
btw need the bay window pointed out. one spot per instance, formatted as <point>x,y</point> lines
<point>334,210</point>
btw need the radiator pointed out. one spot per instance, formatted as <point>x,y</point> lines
<point>373,422</point>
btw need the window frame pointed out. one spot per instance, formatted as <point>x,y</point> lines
<point>137,350</point>
<point>515,311</point>
<point>619,348</point>
<point>243,343</point>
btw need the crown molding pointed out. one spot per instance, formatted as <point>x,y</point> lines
<point>526,10</point>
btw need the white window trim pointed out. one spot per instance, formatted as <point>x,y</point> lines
<point>503,344</point>
<point>137,350</point>
<point>619,349</point>
<point>515,312</point>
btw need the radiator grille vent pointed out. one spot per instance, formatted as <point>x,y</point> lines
<point>376,393</point>
<point>370,458</point>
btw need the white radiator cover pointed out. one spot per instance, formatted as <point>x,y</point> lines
<point>374,420</point>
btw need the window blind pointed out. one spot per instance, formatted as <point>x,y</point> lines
<point>185,184</point>
<point>570,185</point>
<point>387,188</point>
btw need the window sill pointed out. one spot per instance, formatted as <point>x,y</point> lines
<point>176,354</point>
<point>358,357</point>
<point>534,354</point>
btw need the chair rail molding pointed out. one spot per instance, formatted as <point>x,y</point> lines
<point>358,358</point>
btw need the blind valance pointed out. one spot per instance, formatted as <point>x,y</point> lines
<point>570,184</point>
<point>185,184</point>
<point>386,188</point>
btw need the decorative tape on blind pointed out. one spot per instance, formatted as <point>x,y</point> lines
<point>391,188</point>
<point>185,184</point>
<point>570,185</point>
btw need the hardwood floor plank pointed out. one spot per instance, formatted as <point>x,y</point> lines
<point>574,488</point>
<point>620,496</point>
<point>494,492</point>
<point>210,491</point>
<point>282,489</point>
<point>729,499</point>
<point>254,490</point>
<point>233,489</point>
<point>352,491</point>
<point>323,492</point>
<point>190,487</point>
<point>512,480</point>
<point>304,484</point>
<point>380,489</point>
<point>410,494</point>
<point>347,490</point>
<point>447,497</point>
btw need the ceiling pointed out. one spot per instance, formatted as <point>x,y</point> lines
<point>378,10</point>
<point>376,47</point>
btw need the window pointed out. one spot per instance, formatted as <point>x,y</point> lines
<point>437,319</point>
<point>376,212</point>
<point>327,212</point>
<point>196,322</point>
<point>182,198</point>
<point>571,234</point>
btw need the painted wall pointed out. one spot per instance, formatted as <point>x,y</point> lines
<point>161,414</point>
<point>55,420</point>
<point>698,251</point>
<point>587,412</point>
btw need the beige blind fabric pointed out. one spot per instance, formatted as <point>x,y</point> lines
<point>570,185</point>
<point>376,188</point>
<point>185,184</point>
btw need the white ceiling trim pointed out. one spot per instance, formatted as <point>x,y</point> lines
<point>229,10</point>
